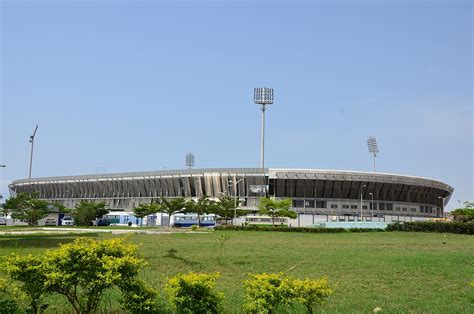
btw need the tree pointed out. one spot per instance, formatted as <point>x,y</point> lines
<point>464,214</point>
<point>226,208</point>
<point>27,208</point>
<point>85,212</point>
<point>143,210</point>
<point>276,208</point>
<point>200,207</point>
<point>172,206</point>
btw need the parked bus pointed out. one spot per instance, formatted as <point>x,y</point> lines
<point>265,220</point>
<point>188,220</point>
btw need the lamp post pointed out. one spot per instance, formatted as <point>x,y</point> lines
<point>442,205</point>
<point>372,196</point>
<point>361,213</point>
<point>32,141</point>
<point>263,96</point>
<point>235,198</point>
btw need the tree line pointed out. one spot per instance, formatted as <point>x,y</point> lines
<point>30,209</point>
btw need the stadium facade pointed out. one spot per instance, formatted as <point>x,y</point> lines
<point>313,191</point>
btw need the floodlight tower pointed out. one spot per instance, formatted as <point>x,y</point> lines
<point>373,148</point>
<point>189,160</point>
<point>263,96</point>
<point>32,141</point>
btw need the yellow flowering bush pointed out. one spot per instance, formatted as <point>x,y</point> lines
<point>29,271</point>
<point>310,292</point>
<point>82,271</point>
<point>264,293</point>
<point>8,297</point>
<point>194,293</point>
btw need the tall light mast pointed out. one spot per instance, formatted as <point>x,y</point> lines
<point>373,148</point>
<point>32,141</point>
<point>189,161</point>
<point>263,96</point>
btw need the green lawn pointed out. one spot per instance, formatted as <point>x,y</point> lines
<point>399,272</point>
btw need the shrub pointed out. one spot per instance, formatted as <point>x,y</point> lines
<point>294,229</point>
<point>310,292</point>
<point>138,298</point>
<point>193,293</point>
<point>264,293</point>
<point>29,271</point>
<point>8,303</point>
<point>82,271</point>
<point>433,226</point>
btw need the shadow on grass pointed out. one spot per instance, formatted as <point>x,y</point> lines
<point>172,253</point>
<point>40,240</point>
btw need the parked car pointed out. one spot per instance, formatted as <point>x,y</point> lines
<point>103,222</point>
<point>67,221</point>
<point>50,222</point>
<point>3,221</point>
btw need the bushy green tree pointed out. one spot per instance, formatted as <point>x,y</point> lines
<point>27,208</point>
<point>200,207</point>
<point>464,214</point>
<point>226,208</point>
<point>276,208</point>
<point>85,212</point>
<point>194,293</point>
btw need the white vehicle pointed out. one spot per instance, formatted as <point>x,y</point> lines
<point>67,221</point>
<point>188,220</point>
<point>3,221</point>
<point>50,222</point>
<point>266,220</point>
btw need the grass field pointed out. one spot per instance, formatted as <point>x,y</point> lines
<point>399,272</point>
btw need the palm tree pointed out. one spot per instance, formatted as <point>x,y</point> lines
<point>200,207</point>
<point>172,206</point>
<point>143,210</point>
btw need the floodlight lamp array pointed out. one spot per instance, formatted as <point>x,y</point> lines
<point>189,160</point>
<point>263,96</point>
<point>372,145</point>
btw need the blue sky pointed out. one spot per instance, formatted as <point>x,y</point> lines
<point>122,86</point>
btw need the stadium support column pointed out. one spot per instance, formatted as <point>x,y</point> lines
<point>441,214</point>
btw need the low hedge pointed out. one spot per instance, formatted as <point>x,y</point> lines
<point>294,229</point>
<point>433,226</point>
<point>417,226</point>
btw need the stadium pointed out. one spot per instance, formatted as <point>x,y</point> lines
<point>318,195</point>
